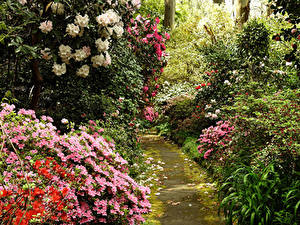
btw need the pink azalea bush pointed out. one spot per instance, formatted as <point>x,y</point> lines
<point>150,114</point>
<point>214,139</point>
<point>74,178</point>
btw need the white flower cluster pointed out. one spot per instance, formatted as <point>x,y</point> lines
<point>46,54</point>
<point>111,23</point>
<point>227,82</point>
<point>212,115</point>
<point>65,53</point>
<point>22,2</point>
<point>46,26</point>
<point>82,54</point>
<point>108,18</point>
<point>82,21</point>
<point>83,71</point>
<point>59,69</point>
<point>102,46</point>
<point>72,30</point>
<point>118,31</point>
<point>101,60</point>
<point>77,28</point>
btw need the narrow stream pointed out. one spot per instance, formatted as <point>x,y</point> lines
<point>184,196</point>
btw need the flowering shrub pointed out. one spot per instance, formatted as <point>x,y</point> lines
<point>72,178</point>
<point>215,139</point>
<point>69,42</point>
<point>269,121</point>
<point>90,30</point>
<point>149,46</point>
<point>150,114</point>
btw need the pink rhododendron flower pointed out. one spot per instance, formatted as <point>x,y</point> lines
<point>145,89</point>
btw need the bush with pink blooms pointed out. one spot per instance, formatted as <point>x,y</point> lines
<point>214,140</point>
<point>74,178</point>
<point>150,114</point>
<point>149,46</point>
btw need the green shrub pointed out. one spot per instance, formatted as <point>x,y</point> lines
<point>267,127</point>
<point>190,147</point>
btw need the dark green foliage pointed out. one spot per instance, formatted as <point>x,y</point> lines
<point>260,196</point>
<point>291,8</point>
<point>253,41</point>
<point>190,147</point>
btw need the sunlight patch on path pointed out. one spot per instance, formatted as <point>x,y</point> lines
<point>183,194</point>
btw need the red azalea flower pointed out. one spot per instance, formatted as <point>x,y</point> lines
<point>208,84</point>
<point>198,87</point>
<point>203,85</point>
<point>38,191</point>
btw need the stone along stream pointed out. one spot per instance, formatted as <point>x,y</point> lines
<point>184,195</point>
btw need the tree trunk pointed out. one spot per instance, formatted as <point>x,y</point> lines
<point>242,12</point>
<point>37,78</point>
<point>219,1</point>
<point>169,19</point>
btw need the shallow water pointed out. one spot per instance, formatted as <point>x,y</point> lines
<point>184,195</point>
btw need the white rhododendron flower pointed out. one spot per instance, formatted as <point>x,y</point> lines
<point>65,53</point>
<point>113,16</point>
<point>58,8</point>
<point>118,30</point>
<point>107,61</point>
<point>208,114</point>
<point>214,116</point>
<point>218,111</point>
<point>87,50</point>
<point>97,60</point>
<point>46,26</point>
<point>227,82</point>
<point>82,21</point>
<point>46,54</point>
<point>23,2</point>
<point>64,121</point>
<point>80,55</point>
<point>207,106</point>
<point>102,46</point>
<point>103,20</point>
<point>59,69</point>
<point>73,30</point>
<point>136,3</point>
<point>83,71</point>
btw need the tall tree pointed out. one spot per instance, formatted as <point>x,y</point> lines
<point>219,1</point>
<point>242,11</point>
<point>169,19</point>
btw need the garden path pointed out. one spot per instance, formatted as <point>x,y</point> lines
<point>185,196</point>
